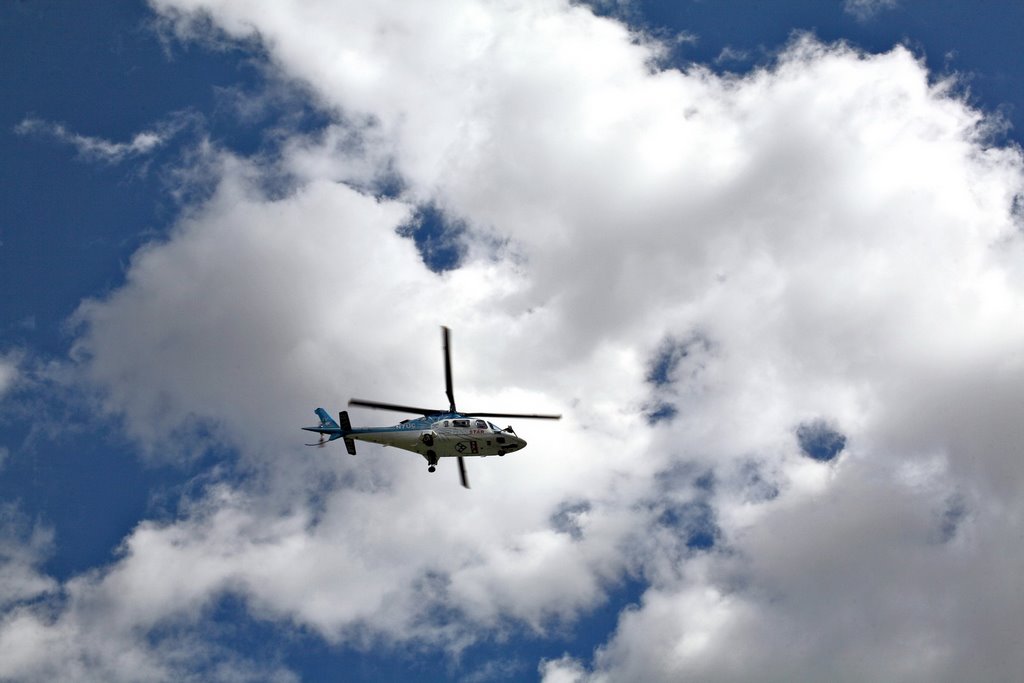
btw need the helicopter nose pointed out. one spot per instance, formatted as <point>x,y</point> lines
<point>511,444</point>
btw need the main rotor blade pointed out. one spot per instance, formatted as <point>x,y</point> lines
<point>516,415</point>
<point>462,472</point>
<point>392,406</point>
<point>445,334</point>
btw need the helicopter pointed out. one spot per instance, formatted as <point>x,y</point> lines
<point>436,434</point>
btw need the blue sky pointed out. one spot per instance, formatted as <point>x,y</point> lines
<point>207,233</point>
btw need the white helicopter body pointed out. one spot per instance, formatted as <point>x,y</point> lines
<point>437,434</point>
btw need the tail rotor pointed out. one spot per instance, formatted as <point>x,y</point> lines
<point>321,443</point>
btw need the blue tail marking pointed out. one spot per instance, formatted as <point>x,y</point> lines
<point>325,419</point>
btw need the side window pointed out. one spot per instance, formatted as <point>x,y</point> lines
<point>446,423</point>
<point>480,424</point>
<point>461,423</point>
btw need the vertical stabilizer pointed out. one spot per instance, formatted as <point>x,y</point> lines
<point>325,419</point>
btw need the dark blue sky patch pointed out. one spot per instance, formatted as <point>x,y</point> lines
<point>666,366</point>
<point>661,411</point>
<point>687,512</point>
<point>694,521</point>
<point>665,362</point>
<point>437,236</point>
<point>316,660</point>
<point>820,441</point>
<point>74,472</point>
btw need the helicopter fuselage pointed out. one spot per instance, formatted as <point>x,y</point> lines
<point>437,434</point>
<point>446,435</point>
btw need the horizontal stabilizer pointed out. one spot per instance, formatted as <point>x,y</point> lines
<point>346,428</point>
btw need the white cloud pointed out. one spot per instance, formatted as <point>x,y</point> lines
<point>22,548</point>
<point>835,230</point>
<point>867,9</point>
<point>100,626</point>
<point>9,372</point>
<point>84,643</point>
<point>731,55</point>
<point>98,149</point>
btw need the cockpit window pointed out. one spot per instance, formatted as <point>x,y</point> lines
<point>480,424</point>
<point>491,425</point>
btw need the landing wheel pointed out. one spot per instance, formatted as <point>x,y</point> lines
<point>431,468</point>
